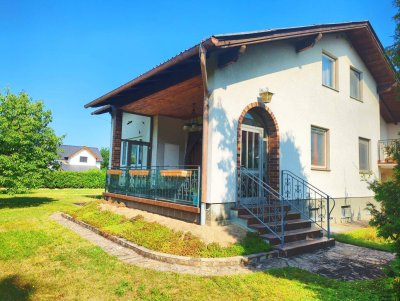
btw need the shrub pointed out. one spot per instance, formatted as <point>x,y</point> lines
<point>93,178</point>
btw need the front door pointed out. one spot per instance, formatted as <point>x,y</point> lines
<point>252,158</point>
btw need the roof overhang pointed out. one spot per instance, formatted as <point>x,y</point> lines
<point>186,65</point>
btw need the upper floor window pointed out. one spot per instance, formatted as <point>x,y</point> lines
<point>355,84</point>
<point>363,151</point>
<point>319,147</point>
<point>83,159</point>
<point>329,71</point>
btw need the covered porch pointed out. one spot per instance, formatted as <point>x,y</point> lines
<point>157,151</point>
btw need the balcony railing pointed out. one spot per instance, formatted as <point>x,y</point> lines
<point>174,184</point>
<point>384,148</point>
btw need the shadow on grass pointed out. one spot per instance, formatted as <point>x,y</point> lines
<point>94,196</point>
<point>13,288</point>
<point>23,202</point>
<point>331,289</point>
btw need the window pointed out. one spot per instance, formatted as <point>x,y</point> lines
<point>83,159</point>
<point>319,148</point>
<point>355,84</point>
<point>363,154</point>
<point>134,153</point>
<point>124,153</point>
<point>329,71</point>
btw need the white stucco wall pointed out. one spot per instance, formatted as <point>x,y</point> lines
<point>389,130</point>
<point>299,101</point>
<point>135,127</point>
<point>91,161</point>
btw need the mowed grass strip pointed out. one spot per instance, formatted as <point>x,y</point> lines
<point>61,265</point>
<point>365,237</point>
<point>160,238</point>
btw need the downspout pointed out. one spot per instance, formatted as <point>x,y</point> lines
<point>203,66</point>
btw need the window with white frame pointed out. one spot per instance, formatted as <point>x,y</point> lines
<point>319,147</point>
<point>364,154</point>
<point>329,71</point>
<point>83,159</point>
<point>355,84</point>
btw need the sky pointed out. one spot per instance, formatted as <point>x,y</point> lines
<point>67,53</point>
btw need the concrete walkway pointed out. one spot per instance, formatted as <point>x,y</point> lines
<point>344,262</point>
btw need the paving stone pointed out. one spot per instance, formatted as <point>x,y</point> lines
<point>343,261</point>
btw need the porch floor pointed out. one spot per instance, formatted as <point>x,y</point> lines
<point>222,234</point>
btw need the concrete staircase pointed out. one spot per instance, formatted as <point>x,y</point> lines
<point>300,235</point>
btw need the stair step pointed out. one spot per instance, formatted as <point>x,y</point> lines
<point>293,235</point>
<point>290,215</point>
<point>304,246</point>
<point>289,225</point>
<point>267,209</point>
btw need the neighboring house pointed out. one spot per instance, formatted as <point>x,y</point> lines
<point>238,126</point>
<point>79,158</point>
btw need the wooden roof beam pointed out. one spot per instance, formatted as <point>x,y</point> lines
<point>387,111</point>
<point>386,87</point>
<point>230,56</point>
<point>308,42</point>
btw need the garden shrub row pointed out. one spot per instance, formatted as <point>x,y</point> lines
<point>93,178</point>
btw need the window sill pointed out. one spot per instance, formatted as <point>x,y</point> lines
<point>360,100</point>
<point>316,168</point>
<point>365,172</point>
<point>331,88</point>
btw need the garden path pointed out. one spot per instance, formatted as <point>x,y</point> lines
<point>344,262</point>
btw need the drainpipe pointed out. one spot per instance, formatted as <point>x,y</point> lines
<point>202,54</point>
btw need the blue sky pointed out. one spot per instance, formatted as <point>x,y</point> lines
<point>67,53</point>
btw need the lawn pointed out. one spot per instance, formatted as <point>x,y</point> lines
<point>161,238</point>
<point>41,260</point>
<point>365,237</point>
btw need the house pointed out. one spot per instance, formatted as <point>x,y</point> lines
<point>79,158</point>
<point>277,130</point>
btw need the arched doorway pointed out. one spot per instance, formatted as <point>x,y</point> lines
<point>258,143</point>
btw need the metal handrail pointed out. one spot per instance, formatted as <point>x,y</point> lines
<point>257,207</point>
<point>384,146</point>
<point>295,188</point>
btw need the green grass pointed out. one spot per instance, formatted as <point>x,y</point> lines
<point>365,237</point>
<point>161,238</point>
<point>42,260</point>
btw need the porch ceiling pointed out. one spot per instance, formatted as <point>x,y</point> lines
<point>175,101</point>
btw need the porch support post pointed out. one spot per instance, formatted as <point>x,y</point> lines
<point>202,53</point>
<point>116,138</point>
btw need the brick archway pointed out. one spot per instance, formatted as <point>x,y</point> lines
<point>271,126</point>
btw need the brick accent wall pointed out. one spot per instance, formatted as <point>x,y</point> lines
<point>272,170</point>
<point>116,143</point>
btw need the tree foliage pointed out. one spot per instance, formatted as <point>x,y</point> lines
<point>105,153</point>
<point>28,145</point>
<point>393,51</point>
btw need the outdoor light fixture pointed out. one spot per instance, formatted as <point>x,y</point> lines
<point>265,95</point>
<point>193,125</point>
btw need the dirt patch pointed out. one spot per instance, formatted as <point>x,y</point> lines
<point>222,234</point>
<point>346,227</point>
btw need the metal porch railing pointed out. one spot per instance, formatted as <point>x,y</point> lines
<point>262,202</point>
<point>177,184</point>
<point>384,146</point>
<point>313,204</point>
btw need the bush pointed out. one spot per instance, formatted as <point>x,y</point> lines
<point>93,178</point>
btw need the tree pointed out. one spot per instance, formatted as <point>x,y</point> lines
<point>105,153</point>
<point>387,194</point>
<point>393,51</point>
<point>28,145</point>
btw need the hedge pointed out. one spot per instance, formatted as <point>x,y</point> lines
<point>93,178</point>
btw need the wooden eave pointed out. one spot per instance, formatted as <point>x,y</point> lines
<point>164,85</point>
